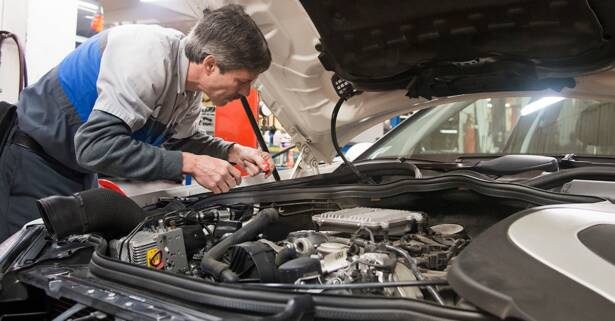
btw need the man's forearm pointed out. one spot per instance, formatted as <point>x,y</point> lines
<point>103,144</point>
<point>201,144</point>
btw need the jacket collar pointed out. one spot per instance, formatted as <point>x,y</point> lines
<point>182,66</point>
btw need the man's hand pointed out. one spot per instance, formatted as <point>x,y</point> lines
<point>216,174</point>
<point>254,161</point>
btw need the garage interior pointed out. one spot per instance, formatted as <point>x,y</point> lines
<point>75,21</point>
<point>475,178</point>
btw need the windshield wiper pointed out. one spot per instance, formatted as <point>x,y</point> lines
<point>515,164</point>
<point>569,161</point>
<point>402,159</point>
<point>500,165</point>
<point>494,165</point>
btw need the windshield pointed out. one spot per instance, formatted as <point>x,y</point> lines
<point>511,125</point>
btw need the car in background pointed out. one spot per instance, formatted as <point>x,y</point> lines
<point>492,202</point>
<point>575,128</point>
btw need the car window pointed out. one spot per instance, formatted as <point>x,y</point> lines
<point>510,125</point>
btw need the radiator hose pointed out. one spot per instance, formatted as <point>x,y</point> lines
<point>99,210</point>
<point>210,263</point>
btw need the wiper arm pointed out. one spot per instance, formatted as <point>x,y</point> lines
<point>498,165</point>
<point>569,161</point>
<point>401,159</point>
<point>410,159</point>
<point>505,165</point>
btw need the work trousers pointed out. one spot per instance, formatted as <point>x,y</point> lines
<point>26,177</point>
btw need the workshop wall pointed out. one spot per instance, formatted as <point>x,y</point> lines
<point>50,36</point>
<point>12,15</point>
<point>46,30</point>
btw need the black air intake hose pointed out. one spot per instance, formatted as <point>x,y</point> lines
<point>221,271</point>
<point>99,210</point>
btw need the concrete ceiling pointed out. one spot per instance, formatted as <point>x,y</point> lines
<point>177,14</point>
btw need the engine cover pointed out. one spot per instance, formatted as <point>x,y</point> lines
<point>542,264</point>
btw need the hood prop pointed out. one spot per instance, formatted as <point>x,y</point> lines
<point>257,132</point>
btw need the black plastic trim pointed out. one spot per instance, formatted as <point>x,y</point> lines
<point>444,182</point>
<point>559,178</point>
<point>448,48</point>
<point>24,241</point>
<point>242,298</point>
<point>600,239</point>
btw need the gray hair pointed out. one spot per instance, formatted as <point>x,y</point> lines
<point>232,37</point>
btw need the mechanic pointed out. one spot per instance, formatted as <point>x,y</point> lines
<point>112,103</point>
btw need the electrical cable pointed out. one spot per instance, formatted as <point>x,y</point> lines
<point>355,170</point>
<point>419,276</point>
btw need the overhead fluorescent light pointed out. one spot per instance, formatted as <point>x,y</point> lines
<point>87,5</point>
<point>540,104</point>
<point>449,131</point>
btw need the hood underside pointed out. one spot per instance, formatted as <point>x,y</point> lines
<point>456,51</point>
<point>443,48</point>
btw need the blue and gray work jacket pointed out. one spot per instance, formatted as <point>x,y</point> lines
<point>111,102</point>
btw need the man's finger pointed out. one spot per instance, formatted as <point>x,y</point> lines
<point>223,186</point>
<point>271,167</point>
<point>236,174</point>
<point>230,181</point>
<point>267,164</point>
<point>216,189</point>
<point>251,168</point>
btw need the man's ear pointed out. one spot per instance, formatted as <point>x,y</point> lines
<point>209,63</point>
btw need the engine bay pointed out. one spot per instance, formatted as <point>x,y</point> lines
<point>423,245</point>
<point>351,251</point>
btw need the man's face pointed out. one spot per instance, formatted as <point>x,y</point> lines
<point>222,88</point>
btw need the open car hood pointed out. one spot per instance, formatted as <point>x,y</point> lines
<point>408,55</point>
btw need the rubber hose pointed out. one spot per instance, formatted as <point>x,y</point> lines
<point>210,263</point>
<point>99,210</point>
<point>285,255</point>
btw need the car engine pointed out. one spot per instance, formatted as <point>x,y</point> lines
<point>357,246</point>
<point>342,242</point>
